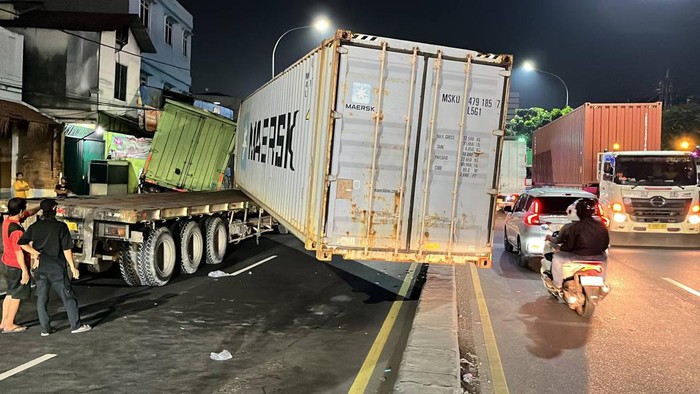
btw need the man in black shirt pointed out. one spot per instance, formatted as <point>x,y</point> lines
<point>586,239</point>
<point>61,188</point>
<point>49,241</point>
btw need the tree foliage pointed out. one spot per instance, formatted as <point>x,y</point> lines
<point>681,123</point>
<point>527,120</point>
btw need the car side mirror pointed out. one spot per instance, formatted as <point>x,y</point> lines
<point>508,209</point>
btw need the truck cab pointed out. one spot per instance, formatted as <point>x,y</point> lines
<point>650,191</point>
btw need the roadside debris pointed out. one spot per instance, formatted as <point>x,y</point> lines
<point>223,356</point>
<point>218,274</point>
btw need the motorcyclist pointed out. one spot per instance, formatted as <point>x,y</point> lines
<point>584,239</point>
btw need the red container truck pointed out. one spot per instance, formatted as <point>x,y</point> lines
<point>565,152</point>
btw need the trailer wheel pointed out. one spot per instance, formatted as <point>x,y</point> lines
<point>191,247</point>
<point>156,258</point>
<point>282,230</point>
<point>216,239</point>
<point>128,255</point>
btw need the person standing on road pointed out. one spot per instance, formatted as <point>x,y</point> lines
<point>21,186</point>
<point>15,264</point>
<point>49,241</point>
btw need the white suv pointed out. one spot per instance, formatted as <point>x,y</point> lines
<point>536,213</point>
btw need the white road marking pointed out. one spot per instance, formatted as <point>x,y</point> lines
<point>3,294</point>
<point>682,286</point>
<point>250,267</point>
<point>26,366</point>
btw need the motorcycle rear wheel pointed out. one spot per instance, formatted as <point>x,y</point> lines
<point>588,308</point>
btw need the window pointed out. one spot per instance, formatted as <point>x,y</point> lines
<point>144,79</point>
<point>145,13</point>
<point>120,82</point>
<point>168,31</point>
<point>122,37</point>
<point>185,42</point>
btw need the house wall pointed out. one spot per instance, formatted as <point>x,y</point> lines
<point>107,61</point>
<point>11,47</point>
<point>153,68</point>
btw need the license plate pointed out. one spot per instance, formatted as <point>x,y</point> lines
<point>72,226</point>
<point>657,226</point>
<point>592,281</point>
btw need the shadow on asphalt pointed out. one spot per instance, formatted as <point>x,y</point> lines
<point>552,327</point>
<point>509,268</point>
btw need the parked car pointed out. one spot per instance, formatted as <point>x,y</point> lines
<point>536,213</point>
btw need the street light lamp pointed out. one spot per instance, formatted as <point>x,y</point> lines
<point>530,66</point>
<point>321,24</point>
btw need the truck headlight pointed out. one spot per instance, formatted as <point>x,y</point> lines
<point>619,217</point>
<point>694,219</point>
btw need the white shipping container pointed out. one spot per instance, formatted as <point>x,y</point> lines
<point>354,149</point>
<point>513,168</point>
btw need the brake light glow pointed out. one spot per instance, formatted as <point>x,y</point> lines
<point>601,213</point>
<point>533,215</point>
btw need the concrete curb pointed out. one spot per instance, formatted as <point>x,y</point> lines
<point>431,359</point>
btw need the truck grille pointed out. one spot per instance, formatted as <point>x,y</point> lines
<point>647,210</point>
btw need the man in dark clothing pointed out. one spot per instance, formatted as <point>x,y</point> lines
<point>61,189</point>
<point>50,242</point>
<point>586,239</point>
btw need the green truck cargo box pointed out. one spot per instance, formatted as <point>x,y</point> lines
<point>190,149</point>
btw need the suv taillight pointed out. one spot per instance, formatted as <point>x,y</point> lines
<point>532,217</point>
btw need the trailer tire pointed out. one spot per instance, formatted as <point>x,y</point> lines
<point>282,230</point>
<point>190,247</point>
<point>216,235</point>
<point>128,255</point>
<point>157,257</point>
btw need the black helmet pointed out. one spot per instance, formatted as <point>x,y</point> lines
<point>585,208</point>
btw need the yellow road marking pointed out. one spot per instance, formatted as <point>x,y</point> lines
<point>498,377</point>
<point>362,380</point>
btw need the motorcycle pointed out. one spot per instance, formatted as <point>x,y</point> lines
<point>583,286</point>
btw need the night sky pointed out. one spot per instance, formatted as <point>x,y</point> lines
<point>605,50</point>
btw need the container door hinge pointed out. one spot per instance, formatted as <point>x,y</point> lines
<point>492,192</point>
<point>505,73</point>
<point>342,50</point>
<point>332,178</point>
<point>336,115</point>
<point>499,133</point>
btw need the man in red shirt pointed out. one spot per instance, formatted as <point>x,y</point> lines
<point>15,264</point>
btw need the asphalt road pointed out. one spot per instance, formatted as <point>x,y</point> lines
<point>292,324</point>
<point>644,338</point>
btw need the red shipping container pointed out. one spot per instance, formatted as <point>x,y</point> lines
<point>565,152</point>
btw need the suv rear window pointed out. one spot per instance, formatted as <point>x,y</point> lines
<point>554,205</point>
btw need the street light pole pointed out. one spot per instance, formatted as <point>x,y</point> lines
<point>530,66</point>
<point>562,82</point>
<point>274,49</point>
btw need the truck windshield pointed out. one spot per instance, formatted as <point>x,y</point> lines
<point>655,170</point>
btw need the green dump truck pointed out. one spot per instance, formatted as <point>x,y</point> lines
<point>190,151</point>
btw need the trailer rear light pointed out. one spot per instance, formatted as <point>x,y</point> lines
<point>114,231</point>
<point>60,211</point>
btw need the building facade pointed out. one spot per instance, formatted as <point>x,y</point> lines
<point>169,26</point>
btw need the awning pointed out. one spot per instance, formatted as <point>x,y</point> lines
<point>119,124</point>
<point>19,110</point>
